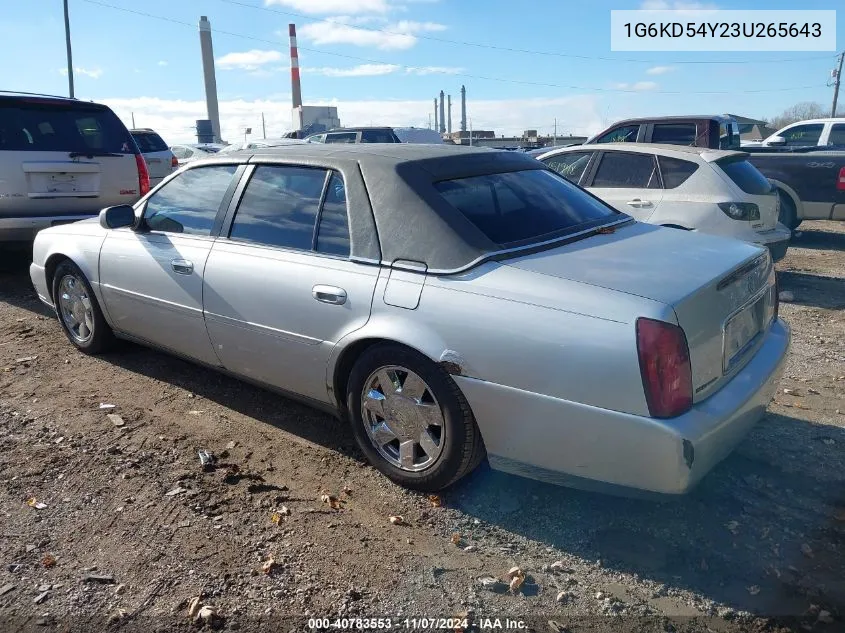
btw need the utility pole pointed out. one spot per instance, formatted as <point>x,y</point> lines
<point>836,81</point>
<point>133,121</point>
<point>69,55</point>
<point>263,127</point>
<point>554,140</point>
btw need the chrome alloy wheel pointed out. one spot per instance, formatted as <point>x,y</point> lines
<point>402,418</point>
<point>75,308</point>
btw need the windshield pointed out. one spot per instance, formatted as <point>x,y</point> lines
<point>524,205</point>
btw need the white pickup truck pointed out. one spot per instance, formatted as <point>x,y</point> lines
<point>810,133</point>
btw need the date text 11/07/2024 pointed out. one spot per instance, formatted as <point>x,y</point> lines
<point>416,624</point>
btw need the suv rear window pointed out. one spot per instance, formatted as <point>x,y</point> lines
<point>745,175</point>
<point>523,205</point>
<point>48,127</point>
<point>149,142</point>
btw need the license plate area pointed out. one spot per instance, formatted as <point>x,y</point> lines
<point>62,183</point>
<point>743,329</point>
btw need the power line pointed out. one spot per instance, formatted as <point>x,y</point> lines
<point>465,75</point>
<point>517,50</point>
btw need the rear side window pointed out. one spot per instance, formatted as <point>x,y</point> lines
<point>745,175</point>
<point>342,137</point>
<point>837,135</point>
<point>675,171</point>
<point>149,142</point>
<point>624,134</point>
<point>570,165</point>
<point>378,136</point>
<point>41,127</point>
<point>523,205</point>
<point>279,207</point>
<point>333,229</point>
<point>626,170</point>
<point>189,203</point>
<point>674,133</point>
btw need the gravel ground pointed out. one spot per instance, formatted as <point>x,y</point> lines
<point>132,528</point>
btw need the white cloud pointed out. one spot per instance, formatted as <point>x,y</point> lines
<point>676,5</point>
<point>660,70</point>
<point>248,60</point>
<point>434,70</point>
<point>163,63</point>
<point>397,36</point>
<point>93,73</point>
<point>324,7</point>
<point>637,86</point>
<point>362,70</point>
<point>174,119</point>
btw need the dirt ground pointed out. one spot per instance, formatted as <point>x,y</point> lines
<point>132,528</point>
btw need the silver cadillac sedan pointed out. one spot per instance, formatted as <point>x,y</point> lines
<point>451,303</point>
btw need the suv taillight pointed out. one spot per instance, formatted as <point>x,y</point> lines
<point>174,162</point>
<point>840,182</point>
<point>143,175</point>
<point>665,367</point>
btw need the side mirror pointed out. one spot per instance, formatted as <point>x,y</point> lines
<point>117,217</point>
<point>775,140</point>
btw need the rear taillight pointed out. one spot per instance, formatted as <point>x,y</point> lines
<point>665,367</point>
<point>840,182</point>
<point>746,211</point>
<point>143,175</point>
<point>174,162</point>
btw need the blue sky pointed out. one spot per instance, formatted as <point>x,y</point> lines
<point>152,66</point>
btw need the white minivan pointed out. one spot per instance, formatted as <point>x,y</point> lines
<point>693,188</point>
<point>62,160</point>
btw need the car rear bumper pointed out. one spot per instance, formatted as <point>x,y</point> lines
<point>776,240</point>
<point>568,443</point>
<point>24,229</point>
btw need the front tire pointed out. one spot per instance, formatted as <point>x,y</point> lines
<point>78,311</point>
<point>410,418</point>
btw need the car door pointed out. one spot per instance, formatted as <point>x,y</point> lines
<point>151,277</point>
<point>280,289</point>
<point>628,181</point>
<point>570,165</point>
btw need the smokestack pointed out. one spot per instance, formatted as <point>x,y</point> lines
<point>209,77</point>
<point>449,120</point>
<point>463,109</point>
<point>435,114</point>
<point>442,113</point>
<point>295,87</point>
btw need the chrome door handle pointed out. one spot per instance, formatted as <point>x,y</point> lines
<point>182,266</point>
<point>329,294</point>
<point>637,203</point>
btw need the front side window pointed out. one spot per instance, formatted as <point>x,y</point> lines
<point>624,134</point>
<point>279,207</point>
<point>189,203</point>
<point>626,170</point>
<point>342,137</point>
<point>803,135</point>
<point>674,133</point>
<point>570,165</point>
<point>523,205</point>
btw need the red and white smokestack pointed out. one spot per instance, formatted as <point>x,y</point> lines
<point>296,89</point>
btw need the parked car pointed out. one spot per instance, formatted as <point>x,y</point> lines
<point>160,160</point>
<point>691,188</point>
<point>356,135</point>
<point>810,182</point>
<point>809,133</point>
<point>713,131</point>
<point>418,135</point>
<point>260,144</point>
<point>187,153</point>
<point>62,160</point>
<point>447,301</point>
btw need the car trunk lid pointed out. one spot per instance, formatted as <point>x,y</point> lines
<point>721,290</point>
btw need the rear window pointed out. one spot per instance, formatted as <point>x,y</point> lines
<point>745,175</point>
<point>43,127</point>
<point>523,205</point>
<point>149,142</point>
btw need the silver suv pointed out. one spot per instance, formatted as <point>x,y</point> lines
<point>62,160</point>
<point>160,160</point>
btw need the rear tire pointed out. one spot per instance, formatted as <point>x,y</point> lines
<point>433,418</point>
<point>78,311</point>
<point>788,215</point>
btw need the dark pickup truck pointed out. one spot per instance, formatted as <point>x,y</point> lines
<point>810,180</point>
